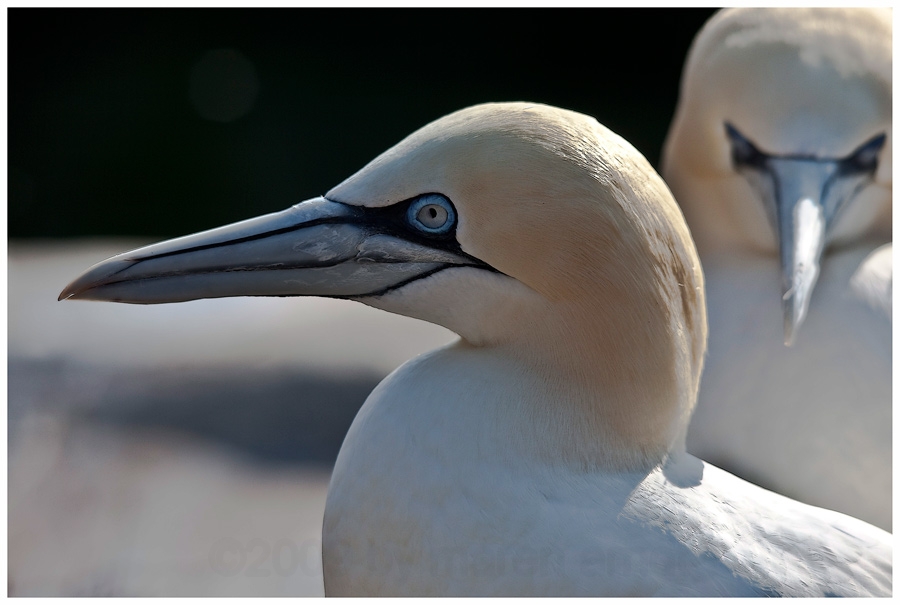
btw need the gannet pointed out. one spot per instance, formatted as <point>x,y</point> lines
<point>542,453</point>
<point>780,148</point>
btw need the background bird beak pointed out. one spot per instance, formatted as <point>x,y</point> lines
<point>803,213</point>
<point>316,248</point>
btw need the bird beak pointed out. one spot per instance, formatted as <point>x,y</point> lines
<point>316,248</point>
<point>802,215</point>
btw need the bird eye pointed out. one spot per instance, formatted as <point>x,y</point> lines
<point>432,213</point>
<point>743,152</point>
<point>865,158</point>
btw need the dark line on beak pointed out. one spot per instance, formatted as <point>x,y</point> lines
<point>406,282</point>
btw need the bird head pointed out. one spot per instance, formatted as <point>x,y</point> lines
<point>522,227</point>
<point>780,144</point>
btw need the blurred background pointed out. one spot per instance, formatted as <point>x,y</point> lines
<point>186,449</point>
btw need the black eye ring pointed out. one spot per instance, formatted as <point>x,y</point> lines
<point>865,157</point>
<point>743,152</point>
<point>431,213</point>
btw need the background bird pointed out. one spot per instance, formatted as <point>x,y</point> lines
<point>780,155</point>
<point>554,428</point>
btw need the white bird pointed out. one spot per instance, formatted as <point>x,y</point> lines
<point>781,148</point>
<point>543,452</point>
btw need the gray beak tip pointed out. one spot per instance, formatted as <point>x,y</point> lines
<point>71,291</point>
<point>794,316</point>
<point>98,275</point>
<point>789,335</point>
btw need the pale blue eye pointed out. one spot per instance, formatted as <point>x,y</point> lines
<point>432,213</point>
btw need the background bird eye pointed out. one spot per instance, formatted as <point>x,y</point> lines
<point>743,152</point>
<point>432,213</point>
<point>865,158</point>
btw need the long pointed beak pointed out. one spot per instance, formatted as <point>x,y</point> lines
<point>802,216</point>
<point>802,240</point>
<point>316,248</point>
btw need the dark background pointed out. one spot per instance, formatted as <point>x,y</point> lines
<point>105,137</point>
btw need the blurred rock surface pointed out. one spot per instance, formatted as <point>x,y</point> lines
<point>178,450</point>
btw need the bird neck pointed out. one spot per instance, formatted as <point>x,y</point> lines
<point>612,392</point>
<point>598,370</point>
